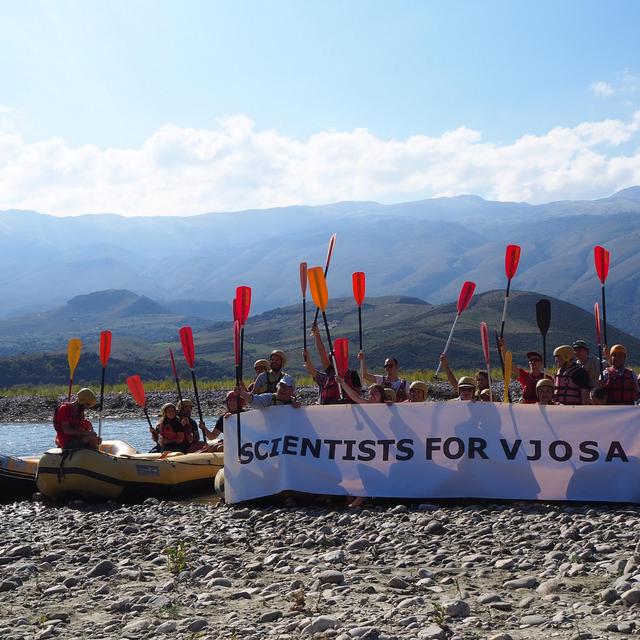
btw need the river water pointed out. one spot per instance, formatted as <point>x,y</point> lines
<point>30,439</point>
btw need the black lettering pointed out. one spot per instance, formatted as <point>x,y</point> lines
<point>405,449</point>
<point>385,448</point>
<point>349,453</point>
<point>589,451</point>
<point>432,445</point>
<point>537,450</point>
<point>246,453</point>
<point>274,447</point>
<point>616,451</point>
<point>477,446</point>
<point>553,450</point>
<point>332,447</point>
<point>510,452</point>
<point>459,443</point>
<point>367,450</point>
<point>261,456</point>
<point>310,445</point>
<point>290,445</point>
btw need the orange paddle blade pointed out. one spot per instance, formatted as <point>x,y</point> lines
<point>358,280</point>
<point>332,244</point>
<point>601,259</point>
<point>341,351</point>
<point>596,311</point>
<point>508,360</point>
<point>188,348</point>
<point>511,259</point>
<point>303,279</point>
<point>74,348</point>
<point>318,286</point>
<point>105,347</point>
<point>484,336</point>
<point>243,304</point>
<point>236,342</point>
<point>137,389</point>
<point>466,293</point>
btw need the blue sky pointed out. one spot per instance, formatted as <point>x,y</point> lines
<point>114,74</point>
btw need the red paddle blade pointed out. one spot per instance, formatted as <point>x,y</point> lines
<point>596,311</point>
<point>332,244</point>
<point>105,347</point>
<point>236,342</point>
<point>173,364</point>
<point>303,279</point>
<point>484,335</point>
<point>511,259</point>
<point>234,306</point>
<point>137,389</point>
<point>243,304</point>
<point>601,258</point>
<point>466,293</point>
<point>188,348</point>
<point>341,350</point>
<point>358,280</point>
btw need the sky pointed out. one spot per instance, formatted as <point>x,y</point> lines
<point>179,108</point>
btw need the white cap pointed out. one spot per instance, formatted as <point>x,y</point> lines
<point>287,380</point>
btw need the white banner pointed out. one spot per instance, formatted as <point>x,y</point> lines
<point>437,450</point>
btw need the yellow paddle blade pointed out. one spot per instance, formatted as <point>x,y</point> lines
<point>73,353</point>
<point>507,375</point>
<point>318,286</point>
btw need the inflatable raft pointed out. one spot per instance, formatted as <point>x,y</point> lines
<point>17,477</point>
<point>118,471</point>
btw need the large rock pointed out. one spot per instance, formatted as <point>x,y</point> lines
<point>103,568</point>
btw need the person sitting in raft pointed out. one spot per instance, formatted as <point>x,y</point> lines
<point>466,389</point>
<point>170,431</point>
<point>259,366</point>
<point>571,382</point>
<point>598,396</point>
<point>267,382</point>
<point>544,392</point>
<point>589,363</point>
<point>73,430</point>
<point>481,378</point>
<point>232,409</point>
<point>390,380</point>
<point>618,381</point>
<point>377,393</point>
<point>191,428</point>
<point>418,391</point>
<point>284,394</point>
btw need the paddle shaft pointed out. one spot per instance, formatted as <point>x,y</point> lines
<point>153,431</point>
<point>600,359</point>
<point>502,362</point>
<point>360,337</point>
<point>70,387</point>
<point>504,308</point>
<point>101,401</point>
<point>304,323</point>
<point>333,355</point>
<point>195,390</point>
<point>544,354</point>
<point>241,351</point>
<point>446,346</point>
<point>604,317</point>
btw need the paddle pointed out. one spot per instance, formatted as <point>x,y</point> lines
<point>484,336</point>
<point>303,288</point>
<point>74,347</point>
<point>359,286</point>
<point>236,352</point>
<point>507,377</point>
<point>318,286</point>
<point>137,391</point>
<point>242,306</point>
<point>596,311</point>
<point>332,244</point>
<point>175,374</point>
<point>601,259</point>
<point>464,298</point>
<point>188,349</point>
<point>543,318</point>
<point>511,259</point>
<point>105,352</point>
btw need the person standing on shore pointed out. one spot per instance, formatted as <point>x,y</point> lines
<point>73,430</point>
<point>267,382</point>
<point>390,380</point>
<point>619,382</point>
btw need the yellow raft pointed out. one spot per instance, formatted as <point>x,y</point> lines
<point>17,476</point>
<point>118,471</point>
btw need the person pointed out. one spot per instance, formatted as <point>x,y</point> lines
<point>418,391</point>
<point>544,392</point>
<point>259,366</point>
<point>232,402</point>
<point>481,377</point>
<point>390,380</point>
<point>466,389</point>
<point>377,393</point>
<point>171,434</point>
<point>618,381</point>
<point>598,396</point>
<point>571,382</point>
<point>284,394</point>
<point>192,429</point>
<point>73,429</point>
<point>589,363</point>
<point>485,396</point>
<point>267,382</point>
<point>529,379</point>
<point>390,395</point>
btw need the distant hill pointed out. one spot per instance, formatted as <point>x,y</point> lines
<point>423,249</point>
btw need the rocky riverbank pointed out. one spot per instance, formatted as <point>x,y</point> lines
<point>194,570</point>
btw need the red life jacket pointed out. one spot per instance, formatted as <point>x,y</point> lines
<point>528,383</point>
<point>330,392</point>
<point>401,392</point>
<point>620,385</point>
<point>67,412</point>
<point>169,429</point>
<point>565,390</point>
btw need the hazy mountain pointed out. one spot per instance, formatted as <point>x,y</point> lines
<point>423,249</point>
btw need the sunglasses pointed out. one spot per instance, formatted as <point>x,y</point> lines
<point>389,366</point>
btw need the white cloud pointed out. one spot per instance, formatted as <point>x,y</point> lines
<point>235,166</point>
<point>602,88</point>
<point>9,118</point>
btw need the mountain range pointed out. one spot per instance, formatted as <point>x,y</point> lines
<point>419,249</point>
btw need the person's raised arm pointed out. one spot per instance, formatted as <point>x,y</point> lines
<point>322,352</point>
<point>369,377</point>
<point>308,365</point>
<point>350,392</point>
<point>447,369</point>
